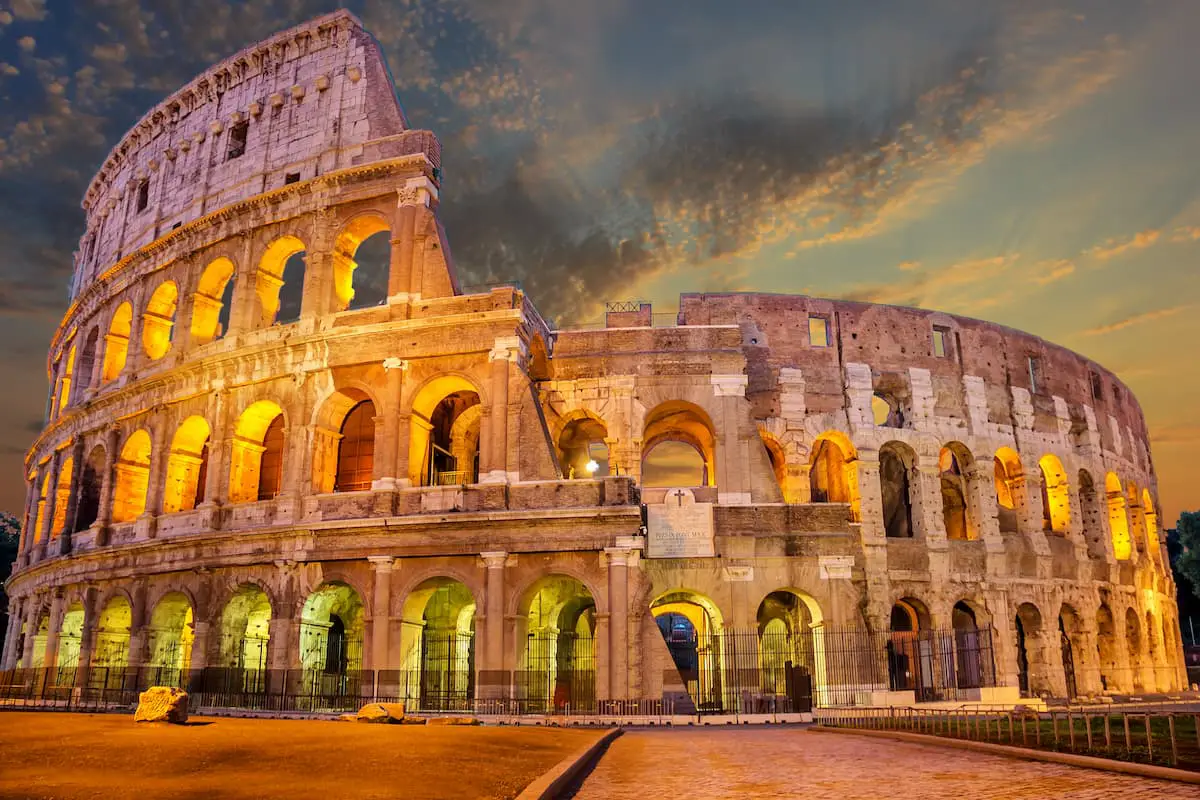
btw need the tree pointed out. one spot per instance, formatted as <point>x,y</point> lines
<point>1187,565</point>
<point>10,534</point>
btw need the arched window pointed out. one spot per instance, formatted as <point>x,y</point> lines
<point>279,284</point>
<point>116,343</point>
<point>1056,501</point>
<point>778,463</point>
<point>62,496</point>
<point>895,460</point>
<point>1118,519</point>
<point>212,301</point>
<point>64,392</point>
<point>582,449</point>
<point>952,462</point>
<point>356,450</point>
<point>271,476</point>
<point>187,466</point>
<point>87,363</point>
<point>447,418</point>
<point>830,477</point>
<point>158,321</point>
<point>1008,478</point>
<point>89,490</point>
<point>679,448</point>
<point>361,263</point>
<point>256,457</point>
<point>132,478</point>
<point>1151,522</point>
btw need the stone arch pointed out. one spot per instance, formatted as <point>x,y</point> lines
<point>1032,669</point>
<point>1009,480</point>
<point>244,636</point>
<point>116,342</point>
<point>678,446</point>
<point>1118,518</point>
<point>332,625</point>
<point>1070,635</point>
<point>62,496</point>
<point>955,468</point>
<point>438,644</point>
<point>88,356</point>
<point>281,264</point>
<point>212,301</point>
<point>344,446</point>
<point>170,638</point>
<point>436,405</point>
<point>90,482</point>
<point>187,466</point>
<point>1133,644</point>
<point>789,642</point>
<point>692,624</point>
<point>557,668</point>
<point>43,497</point>
<point>777,458</point>
<point>132,477</point>
<point>110,649</point>
<point>362,285</point>
<point>582,442</point>
<point>908,619</point>
<point>257,452</point>
<point>158,320</point>
<point>70,636</point>
<point>64,392</point>
<point>897,461</point>
<point>1151,514</point>
<point>973,666</point>
<point>1092,515</point>
<point>1106,649</point>
<point>1056,495</point>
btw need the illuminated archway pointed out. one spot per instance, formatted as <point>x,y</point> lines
<point>678,447</point>
<point>158,320</point>
<point>245,635</point>
<point>39,515</point>
<point>583,449</point>
<point>64,394</point>
<point>1009,478</point>
<point>365,239</point>
<point>438,645</point>
<point>558,668</point>
<point>172,632</point>
<point>110,648</point>
<point>211,302</point>
<point>344,456</point>
<point>791,648</point>
<point>116,342</point>
<point>444,433</point>
<point>1056,500</point>
<point>1151,515</point>
<point>896,461</point>
<point>256,457</point>
<point>282,264</point>
<point>62,496</point>
<point>132,478</point>
<point>779,468</point>
<point>187,466</point>
<point>953,462</point>
<point>1118,519</point>
<point>331,640</point>
<point>691,624</point>
<point>87,363</point>
<point>833,471</point>
<point>70,637</point>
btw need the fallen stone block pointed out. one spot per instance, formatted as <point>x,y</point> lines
<point>453,721</point>
<point>385,713</point>
<point>162,704</point>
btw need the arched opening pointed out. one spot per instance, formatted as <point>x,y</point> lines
<point>1031,673</point>
<point>953,462</point>
<point>1133,644</point>
<point>1154,659</point>
<point>64,391</point>
<point>972,648</point>
<point>896,461</point>
<point>778,462</point>
<point>41,633</point>
<point>187,466</point>
<point>39,515</point>
<point>438,643</point>
<point>1092,515</point>
<point>62,497</point>
<point>1151,515</point>
<point>361,263</point>
<point>1056,501</point>
<point>256,455</point>
<point>1068,631</point>
<point>89,490</point>
<point>331,641</point>
<point>356,449</point>
<point>87,362</point>
<point>886,411</point>
<point>583,448</point>
<point>444,440</point>
<point>1170,642</point>
<point>158,320</point>
<point>132,478</point>
<point>110,651</point>
<point>1106,649</point>
<point>70,637</point>
<point>833,471</point>
<point>172,632</point>
<point>791,656</point>
<point>691,625</point>
<point>909,654</point>
<point>212,301</point>
<point>245,634</point>
<point>116,343</point>
<point>1118,519</point>
<point>1010,482</point>
<point>279,282</point>
<point>678,447</point>
<point>558,666</point>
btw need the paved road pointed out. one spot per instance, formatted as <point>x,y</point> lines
<point>700,764</point>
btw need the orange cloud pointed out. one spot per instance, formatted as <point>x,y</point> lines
<point>1049,272</point>
<point>909,266</point>
<point>1136,319</point>
<point>1112,248</point>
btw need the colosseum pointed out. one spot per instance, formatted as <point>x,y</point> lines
<point>275,467</point>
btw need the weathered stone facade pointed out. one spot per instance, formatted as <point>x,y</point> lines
<point>203,486</point>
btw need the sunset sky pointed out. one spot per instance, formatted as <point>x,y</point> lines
<point>1030,162</point>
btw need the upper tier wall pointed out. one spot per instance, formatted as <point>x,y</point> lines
<point>298,105</point>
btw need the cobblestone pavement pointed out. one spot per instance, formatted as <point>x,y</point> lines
<point>788,762</point>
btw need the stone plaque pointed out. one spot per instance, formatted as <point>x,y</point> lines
<point>680,527</point>
<point>836,567</point>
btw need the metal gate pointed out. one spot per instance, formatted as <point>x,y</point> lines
<point>560,672</point>
<point>447,680</point>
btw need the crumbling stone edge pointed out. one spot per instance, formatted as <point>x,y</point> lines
<point>1030,754</point>
<point>558,778</point>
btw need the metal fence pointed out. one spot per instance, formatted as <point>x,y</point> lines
<point>1167,738</point>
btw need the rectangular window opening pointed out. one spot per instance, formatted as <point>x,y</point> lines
<point>1033,374</point>
<point>941,341</point>
<point>1097,387</point>
<point>818,331</point>
<point>143,195</point>
<point>292,177</point>
<point>237,140</point>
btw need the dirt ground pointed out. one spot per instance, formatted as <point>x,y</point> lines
<point>75,756</point>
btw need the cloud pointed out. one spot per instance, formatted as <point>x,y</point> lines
<point>943,286</point>
<point>1048,272</point>
<point>27,43</point>
<point>1136,319</point>
<point>1189,233</point>
<point>28,10</point>
<point>1112,248</point>
<point>908,266</point>
<point>1175,434</point>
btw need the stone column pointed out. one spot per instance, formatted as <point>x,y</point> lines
<point>388,451</point>
<point>107,484</point>
<point>618,618</point>
<point>33,607</point>
<point>283,647</point>
<point>56,617</point>
<point>216,486</point>
<point>381,599</point>
<point>1027,493</point>
<point>25,541</point>
<point>873,537</point>
<point>11,632</point>
<point>400,265</point>
<point>732,477</point>
<point>493,678</point>
<point>505,350</point>
<point>138,627</point>
<point>87,638</point>
<point>157,477</point>
<point>69,523</point>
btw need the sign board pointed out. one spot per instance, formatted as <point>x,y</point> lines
<point>679,527</point>
<point>836,567</point>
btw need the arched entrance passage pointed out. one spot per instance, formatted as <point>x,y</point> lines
<point>187,466</point>
<point>953,462</point>
<point>833,471</point>
<point>1106,648</point>
<point>1154,658</point>
<point>691,624</point>
<point>438,643</point>
<point>972,647</point>
<point>70,636</point>
<point>447,416</point>
<point>910,656</point>
<point>344,446</point>
<point>172,632</point>
<point>1030,669</point>
<point>361,259</point>
<point>583,448</point>
<point>331,641</point>
<point>1133,641</point>
<point>1068,630</point>
<point>37,658</point>
<point>245,634</point>
<point>1008,479</point>
<point>896,462</point>
<point>110,652</point>
<point>558,667</point>
<point>256,453</point>
<point>791,654</point>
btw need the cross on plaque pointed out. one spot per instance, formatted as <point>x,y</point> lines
<point>679,494</point>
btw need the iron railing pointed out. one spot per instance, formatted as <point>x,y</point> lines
<point>1147,737</point>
